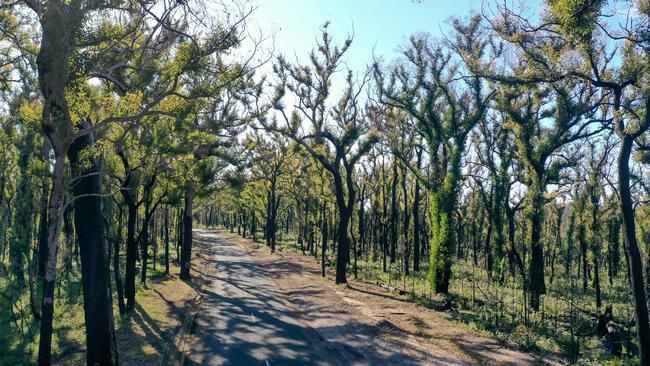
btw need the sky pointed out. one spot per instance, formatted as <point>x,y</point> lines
<point>379,26</point>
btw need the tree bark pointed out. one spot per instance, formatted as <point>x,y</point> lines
<point>47,302</point>
<point>89,223</point>
<point>416,218</point>
<point>186,249</point>
<point>393,215</point>
<point>634,255</point>
<point>167,241</point>
<point>116,264</point>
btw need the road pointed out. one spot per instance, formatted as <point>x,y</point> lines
<point>244,320</point>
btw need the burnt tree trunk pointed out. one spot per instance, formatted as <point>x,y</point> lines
<point>416,219</point>
<point>634,255</point>
<point>89,223</point>
<point>167,241</point>
<point>393,215</point>
<point>116,263</point>
<point>186,249</point>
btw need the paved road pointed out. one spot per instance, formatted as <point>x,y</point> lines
<point>243,319</point>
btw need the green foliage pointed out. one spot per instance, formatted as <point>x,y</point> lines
<point>576,17</point>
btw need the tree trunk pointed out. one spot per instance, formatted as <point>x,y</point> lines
<point>116,264</point>
<point>323,247</point>
<point>179,242</point>
<point>144,241</point>
<point>186,249</point>
<point>393,215</point>
<point>167,241</point>
<point>131,253</point>
<point>405,231</point>
<point>416,218</point>
<point>89,223</point>
<point>629,234</point>
<point>342,254</point>
<point>534,213</point>
<point>443,203</point>
<point>47,302</point>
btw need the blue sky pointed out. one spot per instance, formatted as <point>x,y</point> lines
<point>379,26</point>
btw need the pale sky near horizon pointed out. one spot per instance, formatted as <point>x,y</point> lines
<point>379,26</point>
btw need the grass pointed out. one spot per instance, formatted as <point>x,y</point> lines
<point>141,336</point>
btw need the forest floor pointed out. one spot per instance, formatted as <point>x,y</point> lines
<point>363,323</point>
<point>146,336</point>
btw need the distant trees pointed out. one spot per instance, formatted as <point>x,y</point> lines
<point>445,110</point>
<point>337,136</point>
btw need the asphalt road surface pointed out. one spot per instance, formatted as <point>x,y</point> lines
<point>244,320</point>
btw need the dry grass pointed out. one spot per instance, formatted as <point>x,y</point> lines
<point>142,337</point>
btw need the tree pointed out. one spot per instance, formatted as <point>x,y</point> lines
<point>341,129</point>
<point>579,28</point>
<point>445,109</point>
<point>538,148</point>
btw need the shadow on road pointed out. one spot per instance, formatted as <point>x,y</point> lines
<point>245,319</point>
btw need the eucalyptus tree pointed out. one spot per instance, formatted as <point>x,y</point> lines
<point>271,156</point>
<point>571,111</point>
<point>118,43</point>
<point>136,165</point>
<point>21,231</point>
<point>438,88</point>
<point>597,160</point>
<point>336,136</point>
<point>205,141</point>
<point>493,145</point>
<point>7,172</point>
<point>614,60</point>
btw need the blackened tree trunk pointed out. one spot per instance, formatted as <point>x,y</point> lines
<point>42,229</point>
<point>52,63</point>
<point>362,220</point>
<point>167,241</point>
<point>534,213</point>
<point>393,215</point>
<point>144,242</point>
<point>416,218</point>
<point>323,247</point>
<point>345,199</point>
<point>267,226</point>
<point>186,249</point>
<point>89,223</point>
<point>405,229</point>
<point>116,263</point>
<point>180,228</point>
<point>131,254</point>
<point>634,255</point>
<point>582,243</point>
